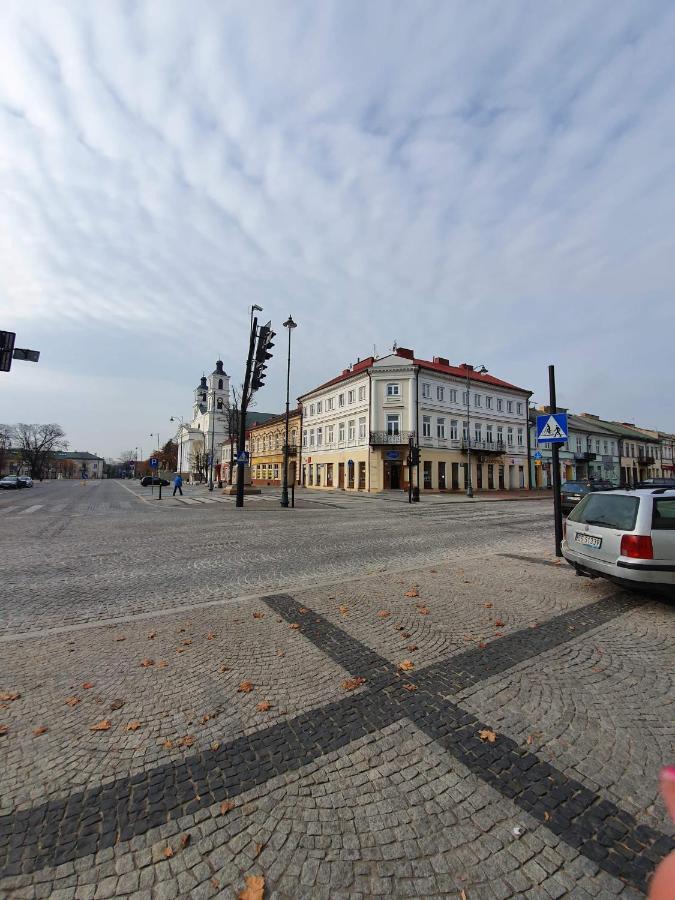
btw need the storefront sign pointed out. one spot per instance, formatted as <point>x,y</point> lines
<point>393,454</point>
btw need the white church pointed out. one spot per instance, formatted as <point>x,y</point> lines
<point>203,436</point>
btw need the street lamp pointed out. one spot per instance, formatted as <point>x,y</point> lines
<point>480,370</point>
<point>180,445</point>
<point>290,325</point>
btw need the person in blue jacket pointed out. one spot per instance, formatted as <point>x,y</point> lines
<point>178,485</point>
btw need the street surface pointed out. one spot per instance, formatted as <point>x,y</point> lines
<point>355,698</point>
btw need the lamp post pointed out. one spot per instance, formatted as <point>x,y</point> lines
<point>290,325</point>
<point>180,445</point>
<point>480,370</point>
<point>213,426</point>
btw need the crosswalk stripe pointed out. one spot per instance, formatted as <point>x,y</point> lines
<point>31,509</point>
<point>8,508</point>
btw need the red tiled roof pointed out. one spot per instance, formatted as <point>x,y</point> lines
<point>356,369</point>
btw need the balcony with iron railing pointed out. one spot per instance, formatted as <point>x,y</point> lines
<point>385,438</point>
<point>292,449</point>
<point>483,446</point>
<point>584,457</point>
<point>645,460</point>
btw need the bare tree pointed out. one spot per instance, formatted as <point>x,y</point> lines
<point>199,463</point>
<point>37,444</point>
<point>6,437</point>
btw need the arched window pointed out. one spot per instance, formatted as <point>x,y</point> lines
<point>276,442</point>
<point>220,384</point>
<point>203,397</point>
<point>219,403</point>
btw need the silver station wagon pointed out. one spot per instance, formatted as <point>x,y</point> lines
<point>626,536</point>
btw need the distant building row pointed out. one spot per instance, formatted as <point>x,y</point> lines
<point>61,464</point>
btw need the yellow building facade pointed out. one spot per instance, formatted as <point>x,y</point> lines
<point>266,447</point>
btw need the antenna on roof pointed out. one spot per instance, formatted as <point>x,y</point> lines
<point>395,347</point>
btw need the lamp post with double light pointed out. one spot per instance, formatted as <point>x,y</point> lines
<point>479,370</point>
<point>290,325</point>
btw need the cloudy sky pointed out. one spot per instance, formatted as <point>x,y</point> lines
<point>492,182</point>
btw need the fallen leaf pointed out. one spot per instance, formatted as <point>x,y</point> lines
<point>88,685</point>
<point>488,605</point>
<point>185,839</point>
<point>482,645</point>
<point>423,611</point>
<point>41,730</point>
<point>294,626</point>
<point>215,883</point>
<point>547,816</point>
<point>409,686</point>
<point>226,806</point>
<point>344,610</point>
<point>103,725</point>
<point>168,743</point>
<point>384,613</point>
<point>116,704</point>
<point>413,592</point>
<point>186,642</point>
<point>406,665</point>
<point>180,649</point>
<point>406,635</point>
<point>462,895</point>
<point>499,623</point>
<point>486,735</point>
<point>530,739</point>
<point>151,636</point>
<point>350,684</point>
<point>72,701</point>
<point>225,668</point>
<point>146,663</point>
<point>133,726</point>
<point>4,729</point>
<point>255,887</point>
<point>280,654</point>
<point>204,719</point>
<point>259,849</point>
<point>162,664</point>
<point>211,635</point>
<point>533,625</point>
<point>302,610</point>
<point>412,647</point>
<point>215,745</point>
<point>187,741</point>
<point>120,638</point>
<point>264,706</point>
<point>168,852</point>
<point>245,687</point>
<point>258,615</point>
<point>9,695</point>
<point>557,562</point>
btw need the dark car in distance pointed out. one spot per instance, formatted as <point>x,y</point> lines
<point>154,479</point>
<point>572,492</point>
<point>11,482</point>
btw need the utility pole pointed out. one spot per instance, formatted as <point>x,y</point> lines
<point>555,453</point>
<point>213,426</point>
<point>241,442</point>
<point>290,325</point>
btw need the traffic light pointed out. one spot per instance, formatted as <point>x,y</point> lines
<point>262,354</point>
<point>7,339</point>
<point>414,456</point>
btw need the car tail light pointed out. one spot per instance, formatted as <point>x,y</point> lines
<point>637,546</point>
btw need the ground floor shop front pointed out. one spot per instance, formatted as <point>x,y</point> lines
<point>377,470</point>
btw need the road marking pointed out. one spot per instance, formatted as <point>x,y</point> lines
<point>133,493</point>
<point>8,508</point>
<point>31,509</point>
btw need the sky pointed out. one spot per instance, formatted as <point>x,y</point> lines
<point>489,182</point>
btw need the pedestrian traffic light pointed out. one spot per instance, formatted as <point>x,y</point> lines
<point>414,456</point>
<point>7,339</point>
<point>262,354</point>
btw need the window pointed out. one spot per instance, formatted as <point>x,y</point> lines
<point>500,434</point>
<point>304,437</point>
<point>277,441</point>
<point>311,437</point>
<point>220,384</point>
<point>294,437</point>
<point>351,429</point>
<point>488,434</point>
<point>663,517</point>
<point>393,423</point>
<point>426,426</point>
<point>453,429</point>
<point>330,432</point>
<point>393,390</point>
<point>362,392</point>
<point>440,393</point>
<point>614,511</point>
<point>362,476</point>
<point>341,399</point>
<point>488,403</point>
<point>452,395</point>
<point>330,403</point>
<point>319,437</point>
<point>500,405</point>
<point>579,445</point>
<point>519,408</point>
<point>350,474</point>
<point>341,432</point>
<point>477,400</point>
<point>597,446</point>
<point>329,475</point>
<point>276,471</point>
<point>427,474</point>
<point>465,398</point>
<point>351,396</point>
<point>312,407</point>
<point>509,406</point>
<point>509,436</point>
<point>426,390</point>
<point>465,431</point>
<point>605,447</point>
<point>219,403</point>
<point>478,431</point>
<point>362,428</point>
<point>520,437</point>
<point>440,428</point>
<point>319,407</point>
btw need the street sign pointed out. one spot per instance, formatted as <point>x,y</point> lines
<point>393,454</point>
<point>242,457</point>
<point>552,429</point>
<point>154,463</point>
<point>7,339</point>
<point>538,454</point>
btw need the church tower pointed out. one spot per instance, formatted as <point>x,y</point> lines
<point>218,389</point>
<point>201,397</point>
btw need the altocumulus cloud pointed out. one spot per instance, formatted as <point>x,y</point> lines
<point>493,182</point>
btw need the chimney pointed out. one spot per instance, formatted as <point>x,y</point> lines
<point>589,416</point>
<point>441,360</point>
<point>405,353</point>
<point>346,371</point>
<point>466,366</point>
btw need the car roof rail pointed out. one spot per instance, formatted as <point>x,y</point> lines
<point>662,490</point>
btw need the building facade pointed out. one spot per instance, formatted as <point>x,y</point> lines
<point>266,443</point>
<point>357,428</point>
<point>208,429</point>
<point>638,450</point>
<point>591,452</point>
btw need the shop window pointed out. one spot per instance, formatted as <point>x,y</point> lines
<point>362,476</point>
<point>427,475</point>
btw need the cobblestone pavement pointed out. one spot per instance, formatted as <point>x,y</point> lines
<point>480,724</point>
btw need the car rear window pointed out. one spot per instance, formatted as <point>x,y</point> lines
<point>574,487</point>
<point>610,510</point>
<point>663,517</point>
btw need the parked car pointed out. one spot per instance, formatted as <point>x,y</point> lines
<point>26,480</point>
<point>571,492</point>
<point>656,483</point>
<point>10,482</point>
<point>627,536</point>
<point>154,479</point>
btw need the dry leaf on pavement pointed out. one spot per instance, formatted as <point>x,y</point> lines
<point>215,745</point>
<point>264,706</point>
<point>423,610</point>
<point>9,695</point>
<point>4,729</point>
<point>211,635</point>
<point>245,687</point>
<point>146,663</point>
<point>168,852</point>
<point>116,704</point>
<point>499,623</point>
<point>258,615</point>
<point>162,664</point>
<point>120,638</point>
<point>294,626</point>
<point>413,592</point>
<point>412,647</point>
<point>225,668</point>
<point>344,610</point>
<point>72,701</point>
<point>384,613</point>
<point>41,730</point>
<point>186,642</point>
<point>487,605</point>
<point>88,685</point>
<point>168,743</point>
<point>134,725</point>
<point>485,734</point>
<point>462,895</point>
<point>350,684</point>
<point>151,636</point>
<point>185,839</point>
<point>254,890</point>
<point>226,806</point>
<point>409,687</point>
<point>187,741</point>
<point>302,610</point>
<point>103,725</point>
<point>406,665</point>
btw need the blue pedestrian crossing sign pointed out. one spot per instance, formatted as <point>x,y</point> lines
<point>552,429</point>
<point>243,457</point>
<point>538,454</point>
<point>154,463</point>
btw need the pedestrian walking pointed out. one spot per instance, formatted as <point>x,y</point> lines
<point>178,485</point>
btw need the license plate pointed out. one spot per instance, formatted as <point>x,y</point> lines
<point>588,539</point>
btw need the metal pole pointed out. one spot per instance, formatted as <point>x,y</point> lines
<point>469,489</point>
<point>213,425</point>
<point>557,507</point>
<point>241,443</point>
<point>290,325</point>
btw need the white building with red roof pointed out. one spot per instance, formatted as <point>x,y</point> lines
<point>359,426</point>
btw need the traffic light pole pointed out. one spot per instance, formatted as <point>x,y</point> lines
<point>241,443</point>
<point>555,462</point>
